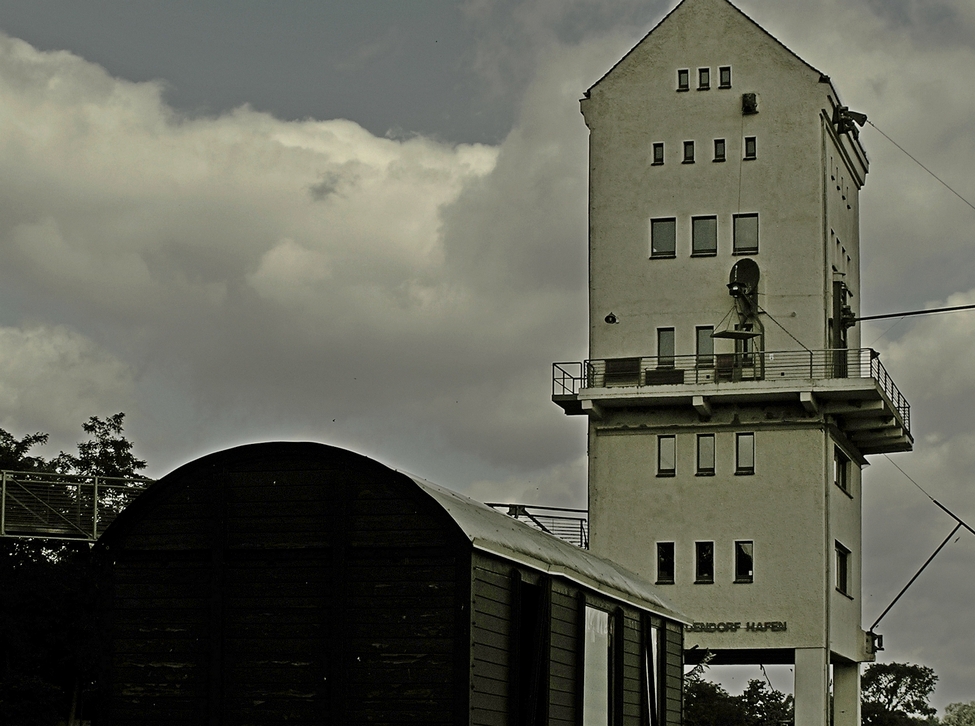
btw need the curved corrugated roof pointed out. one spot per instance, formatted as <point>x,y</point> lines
<point>491,531</point>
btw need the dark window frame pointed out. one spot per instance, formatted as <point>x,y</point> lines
<point>744,568</point>
<point>703,252</point>
<point>841,470</point>
<point>666,358</point>
<point>704,79</point>
<point>705,464</point>
<point>704,358</point>
<point>666,563</point>
<point>663,471</point>
<point>750,148</point>
<point>683,79</point>
<point>741,469</point>
<point>722,72</point>
<point>662,254</point>
<point>843,569</point>
<point>720,150</point>
<point>658,158</point>
<point>704,562</point>
<point>740,249</point>
<point>688,152</point>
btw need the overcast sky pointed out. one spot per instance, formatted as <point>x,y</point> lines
<point>365,224</point>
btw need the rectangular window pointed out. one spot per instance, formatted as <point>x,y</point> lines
<point>658,153</point>
<point>745,453</point>
<point>665,347</point>
<point>665,563</point>
<point>596,667</point>
<point>688,152</point>
<point>704,562</point>
<point>744,561</point>
<point>666,456</point>
<point>704,236</point>
<point>653,670</point>
<point>663,237</point>
<point>724,77</point>
<point>746,234</point>
<point>841,469</point>
<point>751,147</point>
<point>703,79</point>
<point>704,346</point>
<point>842,569</point>
<point>719,150</point>
<point>683,79</point>
<point>705,454</point>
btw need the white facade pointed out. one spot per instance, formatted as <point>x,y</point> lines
<point>742,454</point>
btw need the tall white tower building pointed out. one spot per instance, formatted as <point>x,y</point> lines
<point>730,406</point>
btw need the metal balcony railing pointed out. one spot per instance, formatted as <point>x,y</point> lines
<point>570,525</point>
<point>568,379</point>
<point>62,506</point>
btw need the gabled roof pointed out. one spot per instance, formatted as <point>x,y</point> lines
<point>822,75</point>
<point>491,531</point>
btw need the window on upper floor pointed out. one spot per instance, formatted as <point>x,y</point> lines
<point>688,152</point>
<point>658,153</point>
<point>703,79</point>
<point>842,568</point>
<point>666,455</point>
<point>704,346</point>
<point>665,563</point>
<point>724,77</point>
<point>666,347</point>
<point>746,234</point>
<point>704,236</point>
<point>663,237</point>
<point>744,561</point>
<point>704,562</point>
<point>683,79</point>
<point>705,455</point>
<point>719,150</point>
<point>751,148</point>
<point>745,453</point>
<point>841,469</point>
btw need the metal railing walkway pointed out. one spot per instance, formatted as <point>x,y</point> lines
<point>570,525</point>
<point>62,506</point>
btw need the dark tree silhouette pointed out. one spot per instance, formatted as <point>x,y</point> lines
<point>896,694</point>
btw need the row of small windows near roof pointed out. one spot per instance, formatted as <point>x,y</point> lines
<point>750,147</point>
<point>705,455</point>
<point>744,562</point>
<point>703,78</point>
<point>704,235</point>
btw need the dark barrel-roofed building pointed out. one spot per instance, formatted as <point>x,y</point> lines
<point>301,583</point>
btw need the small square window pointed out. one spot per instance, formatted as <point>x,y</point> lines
<point>705,454</point>
<point>666,456</point>
<point>663,237</point>
<point>744,561</point>
<point>658,153</point>
<point>724,77</point>
<point>665,347</point>
<point>841,469</point>
<point>705,346</point>
<point>719,150</point>
<point>746,234</point>
<point>703,79</point>
<point>751,147</point>
<point>665,563</point>
<point>704,236</point>
<point>688,152</point>
<point>745,453</point>
<point>704,562</point>
<point>683,79</point>
<point>842,569</point>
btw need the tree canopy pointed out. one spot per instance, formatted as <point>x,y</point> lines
<point>959,714</point>
<point>897,694</point>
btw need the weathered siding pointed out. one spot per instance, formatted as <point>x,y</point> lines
<point>306,589</point>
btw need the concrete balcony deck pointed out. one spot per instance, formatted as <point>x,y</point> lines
<point>852,386</point>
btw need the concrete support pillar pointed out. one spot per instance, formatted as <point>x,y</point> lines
<point>846,694</point>
<point>812,687</point>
